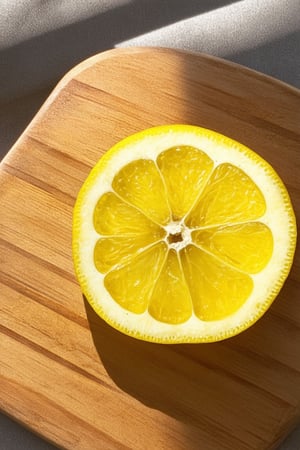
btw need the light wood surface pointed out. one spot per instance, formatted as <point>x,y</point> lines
<point>66,374</point>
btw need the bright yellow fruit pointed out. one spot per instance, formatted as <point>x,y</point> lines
<point>181,234</point>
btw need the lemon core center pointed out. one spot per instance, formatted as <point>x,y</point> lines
<point>178,235</point>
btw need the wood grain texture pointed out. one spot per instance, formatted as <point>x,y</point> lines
<point>65,373</point>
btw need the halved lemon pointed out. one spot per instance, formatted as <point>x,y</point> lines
<point>181,234</point>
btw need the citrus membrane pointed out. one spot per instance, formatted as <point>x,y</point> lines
<point>181,234</point>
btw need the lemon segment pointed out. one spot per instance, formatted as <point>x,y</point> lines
<point>230,196</point>
<point>171,301</point>
<point>185,170</point>
<point>247,246</point>
<point>217,290</point>
<point>140,184</point>
<point>114,217</point>
<point>131,284</point>
<point>111,251</point>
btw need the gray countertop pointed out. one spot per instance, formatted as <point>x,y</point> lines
<point>41,40</point>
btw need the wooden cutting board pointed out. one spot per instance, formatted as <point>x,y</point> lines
<point>66,374</point>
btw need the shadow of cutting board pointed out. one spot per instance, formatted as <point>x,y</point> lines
<point>66,374</point>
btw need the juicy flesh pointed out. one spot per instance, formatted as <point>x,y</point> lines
<point>180,236</point>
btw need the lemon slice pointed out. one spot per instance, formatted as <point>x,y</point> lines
<point>181,234</point>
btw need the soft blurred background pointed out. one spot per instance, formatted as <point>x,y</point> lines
<point>40,40</point>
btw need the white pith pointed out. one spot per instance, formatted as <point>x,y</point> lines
<point>174,228</point>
